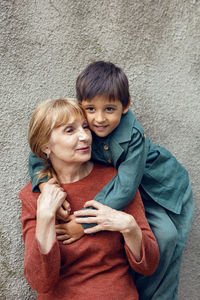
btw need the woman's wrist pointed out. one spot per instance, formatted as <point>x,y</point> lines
<point>131,225</point>
<point>45,215</point>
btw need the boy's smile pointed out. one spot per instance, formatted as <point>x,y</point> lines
<point>103,115</point>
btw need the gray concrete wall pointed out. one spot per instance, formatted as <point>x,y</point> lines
<point>45,44</point>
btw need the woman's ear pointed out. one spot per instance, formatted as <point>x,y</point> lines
<point>46,150</point>
<point>127,107</point>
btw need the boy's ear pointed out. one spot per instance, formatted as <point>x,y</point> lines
<point>127,107</point>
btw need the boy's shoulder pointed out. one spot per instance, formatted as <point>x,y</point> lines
<point>127,127</point>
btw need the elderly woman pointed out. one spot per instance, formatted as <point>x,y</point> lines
<point>95,266</point>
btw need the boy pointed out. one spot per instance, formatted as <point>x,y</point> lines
<point>119,140</point>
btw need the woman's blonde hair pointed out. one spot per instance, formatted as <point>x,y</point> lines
<point>48,115</point>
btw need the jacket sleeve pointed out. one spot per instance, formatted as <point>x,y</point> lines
<point>41,270</point>
<point>122,188</point>
<point>36,164</point>
<point>150,250</point>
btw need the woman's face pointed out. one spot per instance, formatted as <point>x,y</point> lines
<point>70,143</point>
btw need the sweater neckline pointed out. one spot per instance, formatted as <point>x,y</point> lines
<point>80,181</point>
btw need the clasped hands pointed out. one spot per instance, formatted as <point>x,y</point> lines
<point>103,216</point>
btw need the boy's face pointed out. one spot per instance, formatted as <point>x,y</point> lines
<point>103,115</point>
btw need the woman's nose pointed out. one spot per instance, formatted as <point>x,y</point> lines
<point>83,135</point>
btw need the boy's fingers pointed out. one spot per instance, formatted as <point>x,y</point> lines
<point>66,205</point>
<point>62,214</point>
<point>63,237</point>
<point>60,230</point>
<point>69,241</point>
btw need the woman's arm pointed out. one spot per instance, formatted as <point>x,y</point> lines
<point>48,203</point>
<point>42,258</point>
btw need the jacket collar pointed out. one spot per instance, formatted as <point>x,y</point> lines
<point>123,133</point>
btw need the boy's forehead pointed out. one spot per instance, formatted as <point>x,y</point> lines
<point>101,98</point>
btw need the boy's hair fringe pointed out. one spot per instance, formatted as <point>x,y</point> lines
<point>103,78</point>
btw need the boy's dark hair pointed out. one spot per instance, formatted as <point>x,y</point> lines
<point>103,78</point>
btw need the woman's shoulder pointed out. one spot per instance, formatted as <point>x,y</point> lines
<point>26,193</point>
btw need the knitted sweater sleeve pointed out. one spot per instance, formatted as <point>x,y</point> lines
<point>41,270</point>
<point>150,251</point>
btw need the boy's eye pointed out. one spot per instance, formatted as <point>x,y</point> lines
<point>109,109</point>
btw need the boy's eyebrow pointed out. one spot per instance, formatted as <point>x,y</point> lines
<point>107,104</point>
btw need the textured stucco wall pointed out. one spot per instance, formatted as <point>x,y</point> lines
<point>45,44</point>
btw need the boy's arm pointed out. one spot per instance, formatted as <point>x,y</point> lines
<point>123,186</point>
<point>120,191</point>
<point>36,164</point>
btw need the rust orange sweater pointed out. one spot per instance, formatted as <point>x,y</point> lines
<point>94,267</point>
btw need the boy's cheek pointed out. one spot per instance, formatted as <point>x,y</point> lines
<point>89,120</point>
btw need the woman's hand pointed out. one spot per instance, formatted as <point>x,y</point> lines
<point>49,201</point>
<point>110,219</point>
<point>69,232</point>
<point>51,198</point>
<point>106,218</point>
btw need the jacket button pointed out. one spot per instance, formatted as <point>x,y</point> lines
<point>106,147</point>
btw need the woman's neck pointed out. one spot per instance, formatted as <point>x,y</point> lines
<point>74,172</point>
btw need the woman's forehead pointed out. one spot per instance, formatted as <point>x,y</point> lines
<point>65,118</point>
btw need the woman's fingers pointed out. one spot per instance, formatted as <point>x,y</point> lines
<point>52,180</point>
<point>86,220</point>
<point>93,229</point>
<point>93,203</point>
<point>86,212</point>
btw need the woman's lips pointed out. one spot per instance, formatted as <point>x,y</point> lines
<point>84,149</point>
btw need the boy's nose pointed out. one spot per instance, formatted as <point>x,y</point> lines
<point>99,117</point>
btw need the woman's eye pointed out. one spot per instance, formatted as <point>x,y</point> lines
<point>69,129</point>
<point>86,126</point>
<point>90,109</point>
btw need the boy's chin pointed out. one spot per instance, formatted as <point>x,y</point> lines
<point>101,134</point>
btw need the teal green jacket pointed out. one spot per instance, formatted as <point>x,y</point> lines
<point>140,164</point>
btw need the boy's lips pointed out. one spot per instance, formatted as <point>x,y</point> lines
<point>100,127</point>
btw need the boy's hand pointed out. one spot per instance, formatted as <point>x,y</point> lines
<point>69,232</point>
<point>63,212</point>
